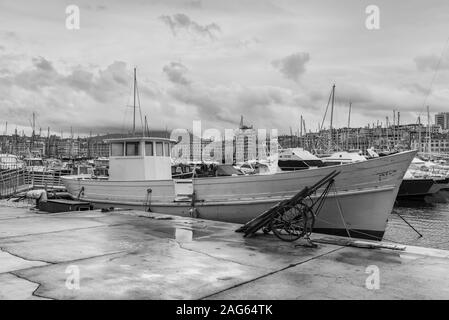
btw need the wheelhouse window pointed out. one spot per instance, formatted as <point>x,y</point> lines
<point>167,149</point>
<point>159,149</point>
<point>117,149</point>
<point>132,148</point>
<point>149,149</point>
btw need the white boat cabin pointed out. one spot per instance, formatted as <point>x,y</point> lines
<point>140,158</point>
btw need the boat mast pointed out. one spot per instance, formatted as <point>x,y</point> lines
<point>304,130</point>
<point>291,138</point>
<point>394,127</point>
<point>34,133</point>
<point>386,132</point>
<point>399,127</point>
<point>332,117</point>
<point>419,133</point>
<point>428,131</point>
<point>349,123</point>
<point>134,104</point>
<point>48,141</point>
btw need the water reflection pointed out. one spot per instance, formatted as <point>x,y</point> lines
<point>430,218</point>
<point>183,235</point>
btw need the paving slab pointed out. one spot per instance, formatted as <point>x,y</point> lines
<point>15,213</point>
<point>39,224</point>
<point>343,274</point>
<point>15,288</point>
<point>10,262</point>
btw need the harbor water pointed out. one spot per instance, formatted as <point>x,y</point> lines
<point>430,218</point>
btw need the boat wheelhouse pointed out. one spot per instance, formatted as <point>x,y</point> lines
<point>140,158</point>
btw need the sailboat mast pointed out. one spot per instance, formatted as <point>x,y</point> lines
<point>394,127</point>
<point>34,128</point>
<point>386,133</point>
<point>428,131</point>
<point>349,123</point>
<point>419,133</point>
<point>332,117</point>
<point>134,104</point>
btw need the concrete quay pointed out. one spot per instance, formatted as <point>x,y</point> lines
<point>141,255</point>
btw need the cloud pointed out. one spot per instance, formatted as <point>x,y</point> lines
<point>431,62</point>
<point>40,75</point>
<point>43,76</point>
<point>250,42</point>
<point>194,4</point>
<point>292,66</point>
<point>42,64</point>
<point>176,72</point>
<point>8,35</point>
<point>80,97</point>
<point>99,7</point>
<point>181,21</point>
<point>266,106</point>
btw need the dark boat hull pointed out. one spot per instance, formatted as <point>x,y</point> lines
<point>415,188</point>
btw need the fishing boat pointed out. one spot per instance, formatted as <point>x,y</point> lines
<point>140,177</point>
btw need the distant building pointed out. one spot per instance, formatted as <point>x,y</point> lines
<point>246,143</point>
<point>442,120</point>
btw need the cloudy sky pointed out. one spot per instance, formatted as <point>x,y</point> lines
<point>214,60</point>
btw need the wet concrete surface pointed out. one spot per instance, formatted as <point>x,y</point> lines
<point>138,255</point>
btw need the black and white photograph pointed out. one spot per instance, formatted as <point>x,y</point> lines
<point>224,155</point>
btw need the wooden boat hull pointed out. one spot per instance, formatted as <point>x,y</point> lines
<point>365,191</point>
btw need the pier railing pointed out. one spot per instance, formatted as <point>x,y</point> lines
<point>14,181</point>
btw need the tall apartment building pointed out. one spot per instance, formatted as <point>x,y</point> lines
<point>442,120</point>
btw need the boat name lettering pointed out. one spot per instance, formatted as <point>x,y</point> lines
<point>387,173</point>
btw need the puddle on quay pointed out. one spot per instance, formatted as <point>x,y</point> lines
<point>183,235</point>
